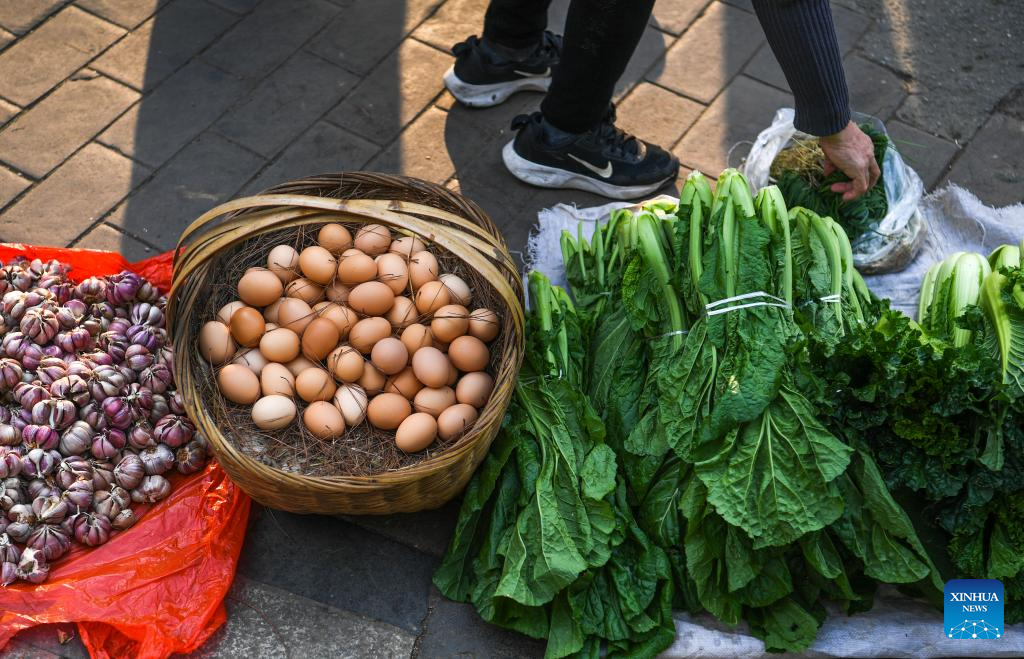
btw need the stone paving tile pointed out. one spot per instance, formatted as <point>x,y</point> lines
<point>676,16</point>
<point>206,172</point>
<point>71,199</point>
<point>6,38</point>
<point>745,5</point>
<point>323,149</point>
<point>170,117</point>
<point>286,103</point>
<point>445,101</point>
<point>267,36</point>
<point>18,649</point>
<point>419,150</point>
<point>237,6</point>
<point>453,22</point>
<point>344,40</point>
<point>20,16</point>
<point>43,136</point>
<point>164,43</point>
<point>738,114</point>
<point>265,621</point>
<point>992,165</point>
<point>126,13</point>
<point>874,89</point>
<point>656,114</point>
<point>105,236</point>
<point>475,638</point>
<point>340,565</point>
<point>7,111</point>
<point>428,531</point>
<point>703,61</point>
<point>44,640</point>
<point>928,155</point>
<point>650,51</point>
<point>11,186</point>
<point>38,62</point>
<point>394,93</point>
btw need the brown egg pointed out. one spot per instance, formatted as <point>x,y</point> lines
<point>403,313</point>
<point>273,412</point>
<point>352,401</point>
<point>406,246</point>
<point>404,383</point>
<point>367,332</point>
<point>453,374</point>
<point>422,268</point>
<point>294,314</point>
<point>346,364</point>
<point>215,343</point>
<point>372,381</point>
<point>371,298</point>
<point>277,380</point>
<point>334,238</point>
<point>474,388</point>
<point>456,420</point>
<point>323,420</point>
<point>247,326</point>
<point>457,287</point>
<point>355,267</point>
<point>434,401</point>
<point>393,271</point>
<point>337,292</point>
<point>469,353</point>
<point>315,384</point>
<point>389,355</point>
<point>431,367</point>
<point>320,338</point>
<point>416,336</point>
<point>450,322</point>
<point>431,296</point>
<point>280,345</point>
<point>300,364</point>
<point>270,311</point>
<point>238,384</point>
<point>416,433</point>
<point>252,359</point>
<point>259,287</point>
<point>483,324</point>
<point>283,261</point>
<point>342,317</point>
<point>224,313</point>
<point>306,290</point>
<point>373,239</point>
<point>318,264</point>
<point>388,411</point>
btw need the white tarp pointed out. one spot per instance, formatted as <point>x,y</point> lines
<point>896,626</point>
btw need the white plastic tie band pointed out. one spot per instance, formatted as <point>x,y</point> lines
<point>712,308</point>
<point>830,298</point>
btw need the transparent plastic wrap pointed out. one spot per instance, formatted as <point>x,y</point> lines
<point>899,234</point>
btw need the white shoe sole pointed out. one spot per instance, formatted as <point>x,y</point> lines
<point>552,177</point>
<point>485,96</point>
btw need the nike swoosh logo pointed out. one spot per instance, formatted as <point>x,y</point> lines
<point>527,74</point>
<point>605,172</point>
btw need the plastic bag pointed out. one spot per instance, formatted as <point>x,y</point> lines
<point>899,234</point>
<point>157,588</point>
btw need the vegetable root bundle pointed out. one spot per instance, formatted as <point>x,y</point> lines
<point>90,420</point>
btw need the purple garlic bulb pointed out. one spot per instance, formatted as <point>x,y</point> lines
<point>71,387</point>
<point>49,539</point>
<point>73,468</point>
<point>10,463</point>
<point>129,471</point>
<point>70,315</point>
<point>40,437</point>
<point>160,408</point>
<point>107,443</point>
<point>22,512</point>
<point>124,520</point>
<point>122,287</point>
<point>157,377</point>
<point>10,494</point>
<point>74,340</point>
<point>176,403</point>
<point>8,573</point>
<point>144,313</point>
<point>80,494</point>
<point>57,413</point>
<point>92,530</point>
<point>106,505</point>
<point>91,290</point>
<point>31,356</point>
<point>152,489</point>
<point>140,436</point>
<point>174,430</point>
<point>50,510</point>
<point>92,414</point>
<point>138,357</point>
<point>51,369</point>
<point>39,324</point>
<point>9,435</point>
<point>41,487</point>
<point>19,531</point>
<point>102,474</point>
<point>29,393</point>
<point>156,459</point>
<point>40,462</point>
<point>80,368</point>
<point>146,335</point>
<point>11,373</point>
<point>190,458</point>
<point>14,345</point>
<point>117,412</point>
<point>149,293</point>
<point>33,567</point>
<point>106,382</point>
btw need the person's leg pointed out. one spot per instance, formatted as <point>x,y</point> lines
<point>600,37</point>
<point>515,25</point>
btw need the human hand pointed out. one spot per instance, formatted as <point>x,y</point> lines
<point>853,153</point>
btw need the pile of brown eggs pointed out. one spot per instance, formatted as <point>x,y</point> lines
<point>360,330</point>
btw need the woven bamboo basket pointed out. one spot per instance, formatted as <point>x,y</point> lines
<point>441,218</point>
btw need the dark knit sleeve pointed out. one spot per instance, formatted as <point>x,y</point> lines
<point>803,38</point>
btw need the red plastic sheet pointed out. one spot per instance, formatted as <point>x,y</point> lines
<point>157,588</point>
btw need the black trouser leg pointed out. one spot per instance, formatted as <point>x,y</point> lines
<point>516,24</point>
<point>600,37</point>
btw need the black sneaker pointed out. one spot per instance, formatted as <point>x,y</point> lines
<point>605,160</point>
<point>480,77</point>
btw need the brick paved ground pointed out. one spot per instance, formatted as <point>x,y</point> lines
<point>123,120</point>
